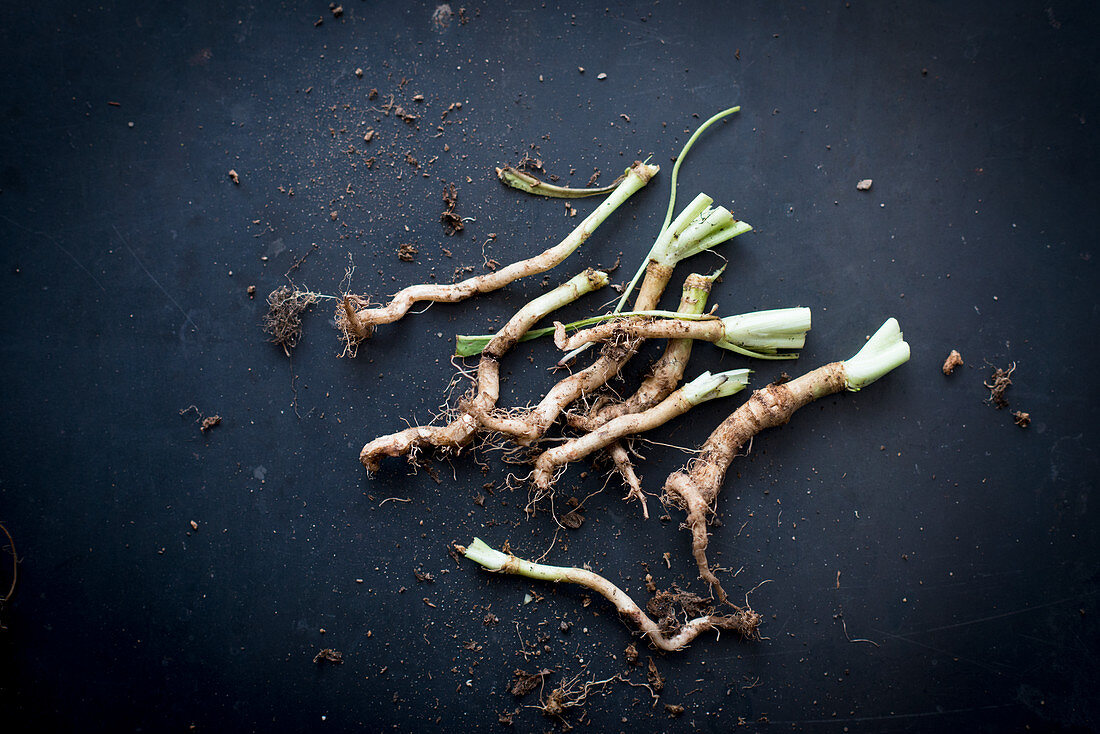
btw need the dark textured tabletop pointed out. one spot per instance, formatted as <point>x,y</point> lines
<point>922,563</point>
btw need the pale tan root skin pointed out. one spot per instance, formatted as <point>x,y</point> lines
<point>531,426</point>
<point>664,375</point>
<point>462,430</point>
<point>621,457</point>
<point>576,449</point>
<point>404,300</point>
<point>643,327</point>
<point>695,488</point>
<point>744,621</point>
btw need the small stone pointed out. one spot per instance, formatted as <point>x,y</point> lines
<point>234,176</point>
<point>864,185</point>
<point>601,76</point>
<point>359,73</point>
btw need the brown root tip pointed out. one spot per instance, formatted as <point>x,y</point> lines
<point>354,324</point>
<point>369,461</point>
<point>560,338</point>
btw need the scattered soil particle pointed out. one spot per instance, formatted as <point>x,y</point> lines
<point>359,73</point>
<point>194,525</point>
<point>524,682</point>
<point>601,76</point>
<point>505,718</point>
<point>490,618</point>
<point>1022,419</point>
<point>407,253</point>
<point>251,291</point>
<point>328,655</point>
<point>674,709</point>
<point>368,135</point>
<point>864,185</point>
<point>656,680</point>
<point>998,383</point>
<point>631,654</point>
<point>573,519</point>
<point>337,10</point>
<point>953,360</point>
<point>594,177</point>
<point>234,176</point>
<point>423,576</point>
<point>452,223</point>
<point>663,606</point>
<point>372,94</point>
<point>408,117</point>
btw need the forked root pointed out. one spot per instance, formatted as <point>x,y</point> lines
<point>703,388</point>
<point>744,621</point>
<point>461,431</point>
<point>625,467</point>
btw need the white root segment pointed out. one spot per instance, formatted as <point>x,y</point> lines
<point>695,488</point>
<point>744,621</point>
<point>760,333</point>
<point>462,430</point>
<point>365,320</point>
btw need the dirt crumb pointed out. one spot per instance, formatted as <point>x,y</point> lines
<point>573,519</point>
<point>524,682</point>
<point>656,680</point>
<point>234,176</point>
<point>953,360</point>
<point>674,709</point>
<point>337,10</point>
<point>505,718</point>
<point>631,654</point>
<point>864,185</point>
<point>251,291</point>
<point>1022,419</point>
<point>328,655</point>
<point>209,422</point>
<point>407,253</point>
<point>997,384</point>
<point>452,222</point>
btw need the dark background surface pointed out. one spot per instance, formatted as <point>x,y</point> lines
<point>965,546</point>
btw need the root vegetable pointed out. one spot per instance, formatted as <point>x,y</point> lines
<point>360,325</point>
<point>666,372</point>
<point>696,229</point>
<point>701,389</point>
<point>761,334</point>
<point>744,621</point>
<point>695,488</point>
<point>461,431</point>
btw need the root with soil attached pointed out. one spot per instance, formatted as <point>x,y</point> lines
<point>364,320</point>
<point>669,635</point>
<point>695,488</point>
<point>460,431</point>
